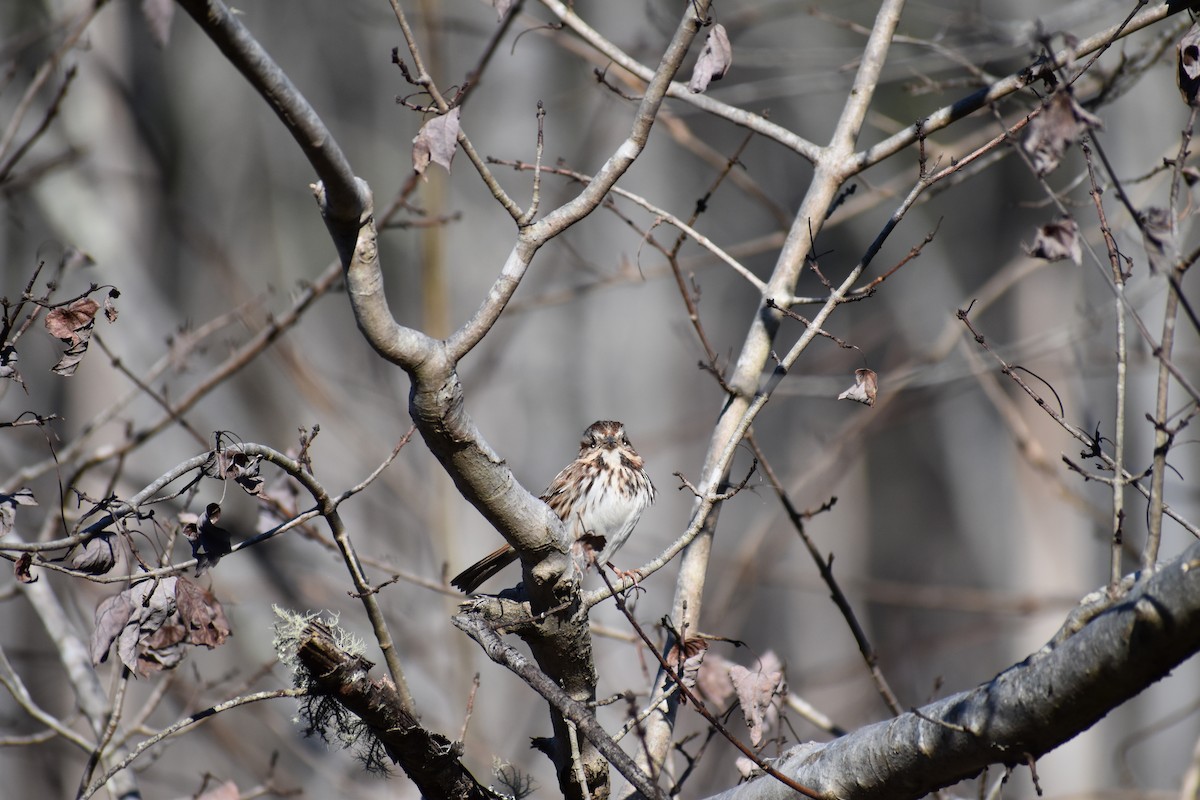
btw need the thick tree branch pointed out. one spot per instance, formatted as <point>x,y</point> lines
<point>428,758</point>
<point>1027,710</point>
<point>749,398</point>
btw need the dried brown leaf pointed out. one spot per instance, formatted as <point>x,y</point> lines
<point>208,540</point>
<point>236,466</point>
<point>713,683</point>
<point>436,141</point>
<point>1187,54</point>
<point>164,650</point>
<point>96,556</point>
<point>202,614</point>
<point>688,661</point>
<point>8,365</point>
<point>760,692</point>
<point>8,508</point>
<point>714,60</point>
<point>141,620</point>
<point>73,326</point>
<point>1059,126</point>
<point>245,473</point>
<point>1057,240</point>
<point>866,386</point>
<point>1160,238</point>
<point>112,615</point>
<point>23,569</point>
<point>110,308</point>
<point>156,635</point>
<point>65,322</point>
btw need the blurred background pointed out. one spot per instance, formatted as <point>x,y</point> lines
<point>958,533</point>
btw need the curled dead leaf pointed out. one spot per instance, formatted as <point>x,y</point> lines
<point>96,556</point>
<point>8,508</point>
<point>1187,55</point>
<point>1061,124</point>
<point>1057,240</point>
<point>23,569</point>
<point>437,141</point>
<point>153,621</point>
<point>209,541</point>
<point>712,681</point>
<point>8,365</point>
<point>72,325</point>
<point>242,469</point>
<point>761,692</point>
<point>866,386</point>
<point>686,661</point>
<point>1160,238</point>
<point>201,615</point>
<point>714,60</point>
<point>112,615</point>
<point>140,620</point>
<point>65,322</point>
<point>110,308</point>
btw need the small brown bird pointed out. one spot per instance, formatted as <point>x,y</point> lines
<point>603,492</point>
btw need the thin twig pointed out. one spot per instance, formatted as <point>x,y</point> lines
<point>699,705</point>
<point>182,725</point>
<point>825,568</point>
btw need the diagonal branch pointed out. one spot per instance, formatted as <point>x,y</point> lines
<point>749,397</point>
<point>1025,711</point>
<point>245,53</point>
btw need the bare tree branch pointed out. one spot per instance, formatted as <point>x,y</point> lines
<point>1029,709</point>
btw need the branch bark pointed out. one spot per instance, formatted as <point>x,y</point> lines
<point>428,758</point>
<point>1032,707</point>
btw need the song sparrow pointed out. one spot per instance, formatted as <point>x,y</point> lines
<point>603,492</point>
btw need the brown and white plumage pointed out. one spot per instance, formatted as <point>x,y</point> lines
<point>603,492</point>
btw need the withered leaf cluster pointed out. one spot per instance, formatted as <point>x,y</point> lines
<point>152,621</point>
<point>72,325</point>
<point>233,465</point>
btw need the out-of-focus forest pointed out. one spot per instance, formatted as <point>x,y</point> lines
<point>961,519</point>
